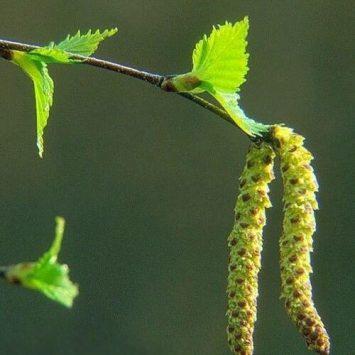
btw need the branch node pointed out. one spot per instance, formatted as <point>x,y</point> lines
<point>6,53</point>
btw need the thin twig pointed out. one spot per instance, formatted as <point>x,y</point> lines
<point>154,79</point>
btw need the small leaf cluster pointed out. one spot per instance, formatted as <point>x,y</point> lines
<point>34,64</point>
<point>46,275</point>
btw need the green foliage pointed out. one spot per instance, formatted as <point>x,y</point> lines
<point>84,45</point>
<point>220,64</point>
<point>46,275</point>
<point>221,60</point>
<point>52,55</point>
<point>230,104</point>
<point>34,64</point>
<point>43,87</point>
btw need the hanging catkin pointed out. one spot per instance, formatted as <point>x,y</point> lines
<point>245,244</point>
<point>300,186</point>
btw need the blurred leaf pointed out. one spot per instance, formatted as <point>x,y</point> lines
<point>43,87</point>
<point>46,275</point>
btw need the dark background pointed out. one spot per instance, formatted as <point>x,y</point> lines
<point>147,180</point>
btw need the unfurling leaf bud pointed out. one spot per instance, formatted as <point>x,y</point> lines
<point>300,186</point>
<point>46,275</point>
<point>245,245</point>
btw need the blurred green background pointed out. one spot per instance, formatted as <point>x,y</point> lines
<point>147,180</point>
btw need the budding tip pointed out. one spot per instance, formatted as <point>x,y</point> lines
<point>168,86</point>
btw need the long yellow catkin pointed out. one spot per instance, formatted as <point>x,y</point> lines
<point>245,244</point>
<point>300,186</point>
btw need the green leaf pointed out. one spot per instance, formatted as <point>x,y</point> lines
<point>220,64</point>
<point>51,55</point>
<point>220,60</point>
<point>79,44</point>
<point>34,64</point>
<point>43,87</point>
<point>46,275</point>
<point>230,104</point>
<point>86,44</point>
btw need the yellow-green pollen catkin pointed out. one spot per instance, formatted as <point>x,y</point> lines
<point>300,186</point>
<point>245,245</point>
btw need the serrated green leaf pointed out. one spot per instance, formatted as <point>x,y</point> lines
<point>78,44</point>
<point>220,64</point>
<point>86,44</point>
<point>220,60</point>
<point>43,87</point>
<point>46,275</point>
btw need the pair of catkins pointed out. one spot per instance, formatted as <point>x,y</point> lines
<point>245,241</point>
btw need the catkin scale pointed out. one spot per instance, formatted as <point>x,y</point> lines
<point>245,244</point>
<point>300,186</point>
